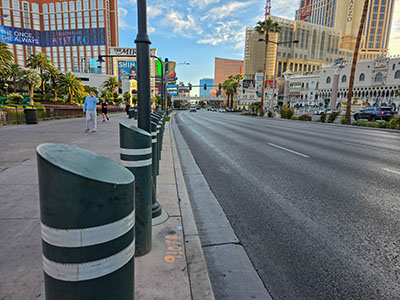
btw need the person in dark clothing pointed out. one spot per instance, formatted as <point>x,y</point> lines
<point>104,110</point>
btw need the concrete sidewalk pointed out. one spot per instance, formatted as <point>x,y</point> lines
<point>174,269</point>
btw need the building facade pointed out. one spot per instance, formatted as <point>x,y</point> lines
<point>375,82</point>
<point>345,16</point>
<point>223,68</point>
<point>209,82</point>
<point>72,33</point>
<point>318,45</point>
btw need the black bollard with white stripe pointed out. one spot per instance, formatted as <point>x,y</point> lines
<point>136,155</point>
<point>156,207</point>
<point>87,219</point>
<point>156,119</point>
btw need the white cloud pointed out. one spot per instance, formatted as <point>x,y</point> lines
<point>122,23</point>
<point>153,11</point>
<point>202,3</point>
<point>224,33</point>
<point>184,26</point>
<point>151,29</point>
<point>226,10</point>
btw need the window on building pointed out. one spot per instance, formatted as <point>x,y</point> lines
<point>344,78</point>
<point>328,80</point>
<point>397,74</point>
<point>362,77</point>
<point>378,77</point>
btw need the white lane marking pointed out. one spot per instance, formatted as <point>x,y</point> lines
<point>286,149</point>
<point>71,238</point>
<point>392,171</point>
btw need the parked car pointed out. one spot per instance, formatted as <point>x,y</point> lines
<point>213,109</point>
<point>328,111</point>
<point>374,113</point>
<point>221,110</point>
<point>193,108</point>
<point>228,109</point>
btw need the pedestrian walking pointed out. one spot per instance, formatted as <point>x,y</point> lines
<point>104,105</point>
<point>89,107</point>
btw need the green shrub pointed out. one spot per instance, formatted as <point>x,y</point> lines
<point>394,123</point>
<point>15,98</point>
<point>333,116</point>
<point>323,117</point>
<point>167,118</point>
<point>261,111</point>
<point>270,114</point>
<point>305,117</point>
<point>294,118</point>
<point>287,113</point>
<point>343,121</point>
<point>365,123</point>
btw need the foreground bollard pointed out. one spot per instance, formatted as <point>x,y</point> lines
<point>136,152</point>
<point>156,207</point>
<point>131,113</point>
<point>135,113</point>
<point>87,221</point>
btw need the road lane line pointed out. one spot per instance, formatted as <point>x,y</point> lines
<point>286,149</point>
<point>392,171</point>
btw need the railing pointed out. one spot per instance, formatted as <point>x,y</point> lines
<point>14,114</point>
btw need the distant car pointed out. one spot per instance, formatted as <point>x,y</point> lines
<point>221,110</point>
<point>374,113</point>
<point>193,108</point>
<point>213,109</point>
<point>228,109</point>
<point>328,111</point>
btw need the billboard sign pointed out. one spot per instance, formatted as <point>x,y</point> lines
<point>20,36</point>
<point>127,51</point>
<point>53,38</point>
<point>126,69</point>
<point>248,84</point>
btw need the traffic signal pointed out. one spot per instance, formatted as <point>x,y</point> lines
<point>205,86</point>
<point>166,67</point>
<point>190,86</point>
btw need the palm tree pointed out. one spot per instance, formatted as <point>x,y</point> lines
<point>6,56</point>
<point>53,74</point>
<point>30,78</point>
<point>39,61</point>
<point>354,64</point>
<point>230,87</point>
<point>265,27</point>
<point>71,85</point>
<point>14,72</point>
<point>112,84</point>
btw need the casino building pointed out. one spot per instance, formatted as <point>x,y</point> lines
<point>71,33</point>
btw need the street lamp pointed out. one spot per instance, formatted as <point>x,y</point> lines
<point>276,62</point>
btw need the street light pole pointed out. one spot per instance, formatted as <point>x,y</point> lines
<point>143,68</point>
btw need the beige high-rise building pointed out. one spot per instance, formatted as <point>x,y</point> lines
<point>318,45</point>
<point>345,16</point>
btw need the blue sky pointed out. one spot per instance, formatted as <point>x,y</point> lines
<point>197,31</point>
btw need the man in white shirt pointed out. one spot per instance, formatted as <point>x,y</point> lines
<point>90,108</point>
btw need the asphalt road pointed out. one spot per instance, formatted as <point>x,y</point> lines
<point>316,206</point>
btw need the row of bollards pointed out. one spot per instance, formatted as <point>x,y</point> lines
<point>97,215</point>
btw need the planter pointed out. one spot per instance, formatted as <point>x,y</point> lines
<point>30,116</point>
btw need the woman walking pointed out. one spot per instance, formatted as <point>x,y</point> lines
<point>104,110</point>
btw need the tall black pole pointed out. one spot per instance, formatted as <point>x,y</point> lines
<point>143,68</point>
<point>162,87</point>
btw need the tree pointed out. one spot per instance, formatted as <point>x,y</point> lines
<point>54,75</point>
<point>14,72</point>
<point>112,84</point>
<point>354,64</point>
<point>6,56</point>
<point>230,86</point>
<point>31,79</point>
<point>39,61</point>
<point>71,85</point>
<point>266,27</point>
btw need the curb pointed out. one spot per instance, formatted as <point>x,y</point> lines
<point>200,284</point>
